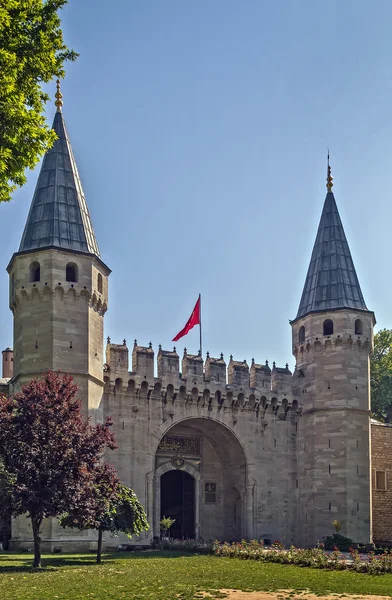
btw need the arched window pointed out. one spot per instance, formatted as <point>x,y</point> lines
<point>71,273</point>
<point>35,272</point>
<point>301,334</point>
<point>100,284</point>
<point>358,327</point>
<point>328,327</point>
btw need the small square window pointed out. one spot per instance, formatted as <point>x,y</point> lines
<point>210,492</point>
<point>381,480</point>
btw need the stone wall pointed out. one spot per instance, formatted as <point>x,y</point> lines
<point>332,381</point>
<point>247,434</point>
<point>58,324</point>
<point>382,498</point>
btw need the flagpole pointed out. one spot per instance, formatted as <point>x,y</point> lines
<point>201,348</point>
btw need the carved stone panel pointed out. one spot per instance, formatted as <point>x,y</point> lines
<point>183,444</point>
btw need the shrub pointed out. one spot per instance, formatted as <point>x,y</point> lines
<point>338,541</point>
<point>314,557</point>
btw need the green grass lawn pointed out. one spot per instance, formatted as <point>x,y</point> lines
<point>137,576</point>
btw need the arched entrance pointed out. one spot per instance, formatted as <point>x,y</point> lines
<point>178,502</point>
<point>200,471</point>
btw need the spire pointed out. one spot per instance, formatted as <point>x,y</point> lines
<point>58,95</point>
<point>58,215</point>
<point>331,281</point>
<point>329,177</point>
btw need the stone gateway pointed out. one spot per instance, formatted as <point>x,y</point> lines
<point>230,450</point>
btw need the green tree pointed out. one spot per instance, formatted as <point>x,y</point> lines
<point>116,509</point>
<point>32,52</point>
<point>381,375</point>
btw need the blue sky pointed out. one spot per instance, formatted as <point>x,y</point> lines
<point>200,129</point>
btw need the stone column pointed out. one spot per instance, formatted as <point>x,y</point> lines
<point>157,507</point>
<point>249,511</point>
<point>197,508</point>
<point>150,503</point>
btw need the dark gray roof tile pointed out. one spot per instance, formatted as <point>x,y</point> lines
<point>58,214</point>
<point>331,281</point>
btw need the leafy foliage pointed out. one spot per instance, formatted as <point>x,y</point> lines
<point>50,451</point>
<point>126,514</point>
<point>32,52</point>
<point>338,541</point>
<point>97,500</point>
<point>165,524</point>
<point>6,484</point>
<point>381,375</point>
<point>117,508</point>
<point>337,525</point>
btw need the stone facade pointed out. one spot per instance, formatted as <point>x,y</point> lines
<point>243,437</point>
<point>382,481</point>
<point>229,450</point>
<point>333,383</point>
<point>58,324</point>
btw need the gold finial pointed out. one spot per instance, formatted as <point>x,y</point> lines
<point>58,95</point>
<point>329,177</point>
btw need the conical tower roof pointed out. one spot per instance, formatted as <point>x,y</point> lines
<point>331,281</point>
<point>58,215</point>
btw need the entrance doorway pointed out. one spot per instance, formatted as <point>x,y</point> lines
<point>178,502</point>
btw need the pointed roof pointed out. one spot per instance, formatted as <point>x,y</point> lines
<point>331,281</point>
<point>58,215</point>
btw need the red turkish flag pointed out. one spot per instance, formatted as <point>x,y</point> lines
<point>193,320</point>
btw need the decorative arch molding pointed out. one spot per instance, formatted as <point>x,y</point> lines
<point>249,466</point>
<point>159,432</point>
<point>168,466</point>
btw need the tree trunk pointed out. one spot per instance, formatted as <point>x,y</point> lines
<point>36,526</point>
<point>99,547</point>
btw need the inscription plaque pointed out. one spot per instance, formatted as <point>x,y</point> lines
<point>183,444</point>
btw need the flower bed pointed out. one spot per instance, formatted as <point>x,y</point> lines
<point>317,558</point>
<point>192,546</point>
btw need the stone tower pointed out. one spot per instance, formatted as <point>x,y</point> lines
<point>58,282</point>
<point>8,363</point>
<point>332,339</point>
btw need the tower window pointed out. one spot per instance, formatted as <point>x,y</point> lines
<point>358,327</point>
<point>301,334</point>
<point>71,272</point>
<point>35,272</point>
<point>100,283</point>
<point>328,327</point>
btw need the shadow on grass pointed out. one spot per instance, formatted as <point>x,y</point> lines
<point>155,554</point>
<point>54,563</point>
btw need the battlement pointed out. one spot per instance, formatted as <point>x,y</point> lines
<point>333,343</point>
<point>192,364</point>
<point>281,379</point>
<point>212,382</point>
<point>260,375</point>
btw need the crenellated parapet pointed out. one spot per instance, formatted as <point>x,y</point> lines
<point>281,379</point>
<point>207,385</point>
<point>192,365</point>
<point>333,343</point>
<point>260,375</point>
<point>24,296</point>
<point>168,363</point>
<point>238,373</point>
<point>143,360</point>
<point>341,329</point>
<point>215,369</point>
